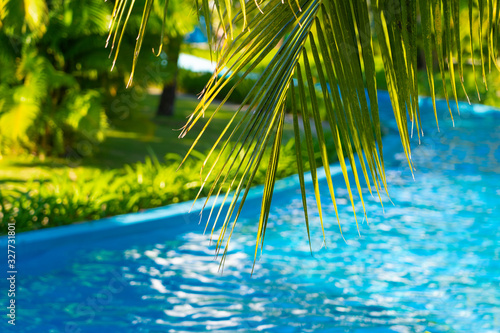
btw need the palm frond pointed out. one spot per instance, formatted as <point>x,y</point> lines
<point>330,43</point>
<point>120,17</point>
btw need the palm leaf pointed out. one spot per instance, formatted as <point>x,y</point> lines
<point>330,43</point>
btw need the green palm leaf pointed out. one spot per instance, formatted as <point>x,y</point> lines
<point>331,43</point>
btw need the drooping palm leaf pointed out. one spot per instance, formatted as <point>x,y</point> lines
<point>328,42</point>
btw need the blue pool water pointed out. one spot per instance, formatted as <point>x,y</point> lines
<point>429,262</point>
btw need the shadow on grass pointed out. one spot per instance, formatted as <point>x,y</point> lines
<point>40,164</point>
<point>18,181</point>
<point>128,141</point>
<point>132,139</point>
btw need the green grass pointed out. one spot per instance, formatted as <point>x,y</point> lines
<point>134,169</point>
<point>128,141</point>
<point>133,139</point>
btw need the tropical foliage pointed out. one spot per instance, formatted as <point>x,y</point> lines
<point>332,43</point>
<point>171,34</point>
<point>49,55</point>
<point>56,87</point>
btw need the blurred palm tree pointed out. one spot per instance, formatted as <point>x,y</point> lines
<point>165,38</point>
<point>55,83</point>
<point>181,21</point>
<point>327,46</point>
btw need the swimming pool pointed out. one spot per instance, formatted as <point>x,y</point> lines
<point>430,262</point>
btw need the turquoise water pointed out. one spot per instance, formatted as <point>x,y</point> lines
<point>429,262</point>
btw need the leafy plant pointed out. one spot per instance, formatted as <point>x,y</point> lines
<point>171,34</point>
<point>40,110</point>
<point>55,80</point>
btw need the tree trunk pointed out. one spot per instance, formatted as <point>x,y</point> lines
<point>167,99</point>
<point>172,47</point>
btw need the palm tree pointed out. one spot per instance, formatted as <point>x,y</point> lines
<point>170,34</point>
<point>179,24</point>
<point>56,88</point>
<point>330,42</point>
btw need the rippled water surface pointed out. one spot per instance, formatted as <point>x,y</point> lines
<point>429,262</point>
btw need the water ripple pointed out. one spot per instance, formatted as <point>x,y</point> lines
<point>430,262</point>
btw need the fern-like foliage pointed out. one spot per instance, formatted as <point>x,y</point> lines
<point>51,55</point>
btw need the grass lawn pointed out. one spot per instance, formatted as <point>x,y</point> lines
<point>134,138</point>
<point>128,141</point>
<point>119,177</point>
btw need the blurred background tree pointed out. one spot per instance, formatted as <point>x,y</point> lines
<point>181,20</point>
<point>56,87</point>
<point>51,64</point>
